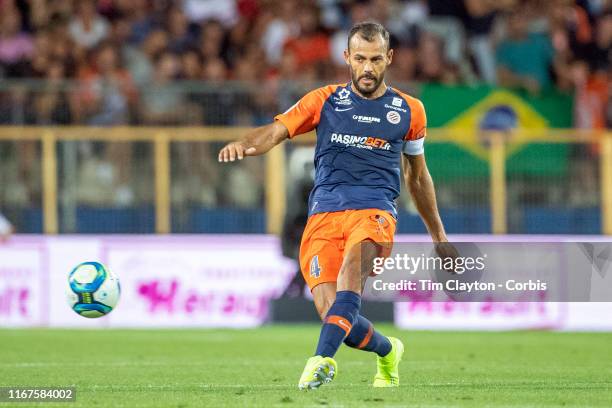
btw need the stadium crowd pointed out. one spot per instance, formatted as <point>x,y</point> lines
<point>116,47</point>
<point>237,62</point>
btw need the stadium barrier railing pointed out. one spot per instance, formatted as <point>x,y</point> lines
<point>503,167</point>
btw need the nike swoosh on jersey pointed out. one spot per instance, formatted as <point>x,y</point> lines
<point>342,110</point>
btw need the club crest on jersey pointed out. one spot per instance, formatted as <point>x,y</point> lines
<point>393,117</point>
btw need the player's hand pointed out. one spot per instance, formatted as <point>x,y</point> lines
<point>5,235</point>
<point>447,250</point>
<point>235,150</point>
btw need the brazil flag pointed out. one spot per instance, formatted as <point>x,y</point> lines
<point>467,113</point>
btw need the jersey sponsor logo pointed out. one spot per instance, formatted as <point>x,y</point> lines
<point>343,110</point>
<point>393,117</point>
<point>360,142</point>
<point>366,119</point>
<point>396,101</point>
<point>343,98</point>
<point>397,108</point>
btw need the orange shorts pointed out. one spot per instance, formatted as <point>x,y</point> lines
<point>328,234</point>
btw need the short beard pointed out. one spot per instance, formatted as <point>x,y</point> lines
<point>364,91</point>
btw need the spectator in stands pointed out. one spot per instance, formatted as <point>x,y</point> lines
<point>432,67</point>
<point>142,19</point>
<point>601,50</point>
<point>88,28</point>
<point>180,36</point>
<point>281,27</point>
<point>359,11</point>
<point>479,20</point>
<point>192,66</point>
<point>164,102</point>
<point>237,38</point>
<point>574,20</point>
<point>466,28</point>
<point>215,71</point>
<point>107,89</point>
<point>16,46</point>
<point>139,60</point>
<point>311,46</point>
<point>590,96</point>
<point>41,55</point>
<point>590,102</point>
<point>105,99</point>
<point>211,39</point>
<point>63,48</point>
<point>217,101</point>
<point>445,22</point>
<point>404,65</point>
<point>524,59</point>
<point>52,104</point>
<point>225,11</point>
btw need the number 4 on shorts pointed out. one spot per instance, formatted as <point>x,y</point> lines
<point>315,270</point>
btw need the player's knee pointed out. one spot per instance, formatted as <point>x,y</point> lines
<point>358,263</point>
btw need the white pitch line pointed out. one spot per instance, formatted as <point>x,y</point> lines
<point>163,364</point>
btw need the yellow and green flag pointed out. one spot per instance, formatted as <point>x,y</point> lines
<point>470,111</point>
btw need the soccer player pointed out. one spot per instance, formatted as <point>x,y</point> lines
<point>364,130</point>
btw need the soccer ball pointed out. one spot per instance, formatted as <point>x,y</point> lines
<point>92,290</point>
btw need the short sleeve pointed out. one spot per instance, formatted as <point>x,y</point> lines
<point>304,116</point>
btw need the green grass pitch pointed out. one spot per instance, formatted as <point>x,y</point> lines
<point>260,367</point>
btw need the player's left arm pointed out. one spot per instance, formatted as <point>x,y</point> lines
<point>416,174</point>
<point>420,184</point>
<point>421,187</point>
<point>419,181</point>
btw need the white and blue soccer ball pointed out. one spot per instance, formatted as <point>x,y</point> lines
<point>92,290</point>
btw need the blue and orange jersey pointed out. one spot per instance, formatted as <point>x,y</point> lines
<point>359,145</point>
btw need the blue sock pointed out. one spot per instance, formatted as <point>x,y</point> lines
<point>338,322</point>
<point>364,337</point>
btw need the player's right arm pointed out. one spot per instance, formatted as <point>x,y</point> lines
<point>300,118</point>
<point>258,141</point>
